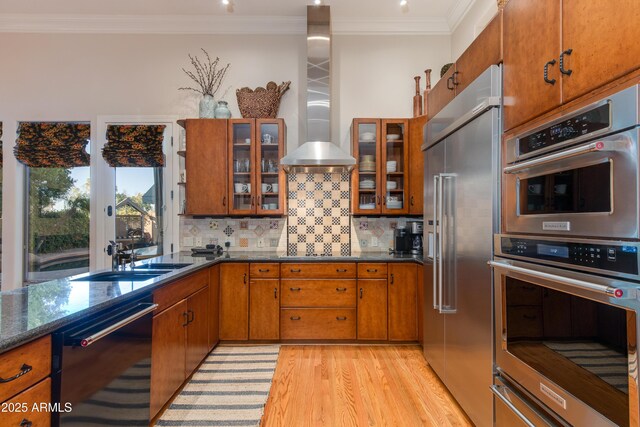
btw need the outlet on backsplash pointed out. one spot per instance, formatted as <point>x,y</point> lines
<point>198,241</point>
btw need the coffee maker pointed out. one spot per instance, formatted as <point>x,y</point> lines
<point>402,242</point>
<point>415,229</point>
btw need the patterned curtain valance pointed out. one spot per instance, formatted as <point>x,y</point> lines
<point>134,146</point>
<point>52,144</point>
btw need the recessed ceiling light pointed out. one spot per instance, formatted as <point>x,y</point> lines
<point>225,2</point>
<point>403,2</point>
<point>317,2</point>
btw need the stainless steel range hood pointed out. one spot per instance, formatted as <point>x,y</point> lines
<point>318,154</point>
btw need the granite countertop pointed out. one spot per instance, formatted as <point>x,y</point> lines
<point>34,311</point>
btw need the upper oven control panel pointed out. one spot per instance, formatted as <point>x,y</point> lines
<point>581,124</point>
<point>615,257</point>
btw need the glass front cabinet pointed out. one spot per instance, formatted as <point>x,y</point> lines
<point>257,182</point>
<point>380,179</point>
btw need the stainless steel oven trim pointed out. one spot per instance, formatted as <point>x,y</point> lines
<point>623,114</point>
<point>498,251</point>
<point>576,412</point>
<point>621,222</point>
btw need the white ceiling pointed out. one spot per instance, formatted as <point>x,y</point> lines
<point>194,16</point>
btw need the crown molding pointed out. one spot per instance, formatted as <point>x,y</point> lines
<point>457,13</point>
<point>213,24</point>
<point>390,26</point>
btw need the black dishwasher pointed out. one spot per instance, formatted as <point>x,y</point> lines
<point>102,368</point>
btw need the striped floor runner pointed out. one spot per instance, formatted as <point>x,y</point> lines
<point>229,389</point>
<point>611,366</point>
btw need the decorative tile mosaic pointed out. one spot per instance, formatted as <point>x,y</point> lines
<point>258,230</point>
<point>244,242</point>
<point>318,209</point>
<point>228,230</point>
<point>244,225</point>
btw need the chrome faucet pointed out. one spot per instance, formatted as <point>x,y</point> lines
<point>115,250</point>
<point>132,256</point>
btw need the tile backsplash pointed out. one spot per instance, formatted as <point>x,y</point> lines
<point>318,221</point>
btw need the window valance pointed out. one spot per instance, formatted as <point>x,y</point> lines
<point>52,144</point>
<point>134,146</point>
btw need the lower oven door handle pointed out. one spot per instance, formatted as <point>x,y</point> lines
<point>111,328</point>
<point>579,284</point>
<point>496,390</point>
<point>565,154</point>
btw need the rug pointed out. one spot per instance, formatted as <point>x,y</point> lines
<point>229,389</point>
<point>610,365</point>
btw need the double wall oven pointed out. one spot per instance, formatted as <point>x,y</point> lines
<point>566,271</point>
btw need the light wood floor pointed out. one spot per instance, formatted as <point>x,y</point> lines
<point>358,386</point>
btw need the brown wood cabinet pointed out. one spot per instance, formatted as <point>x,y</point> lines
<point>264,309</point>
<point>214,306</point>
<point>484,51</point>
<point>372,309</point>
<point>197,346</point>
<point>256,180</point>
<point>584,44</point>
<point>32,398</point>
<point>168,354</point>
<point>318,323</point>
<point>416,165</point>
<point>380,184</point>
<point>402,294</point>
<point>234,301</point>
<point>28,364</point>
<point>180,337</point>
<point>206,165</point>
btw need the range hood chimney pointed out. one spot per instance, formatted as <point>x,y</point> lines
<point>318,155</point>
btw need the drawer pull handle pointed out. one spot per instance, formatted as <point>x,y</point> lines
<point>295,317</point>
<point>245,278</point>
<point>529,317</point>
<point>392,279</point>
<point>361,291</point>
<point>341,270</point>
<point>295,289</point>
<point>25,423</point>
<point>295,270</point>
<point>341,289</point>
<point>372,270</point>
<point>23,370</point>
<point>263,270</point>
<point>275,293</point>
<point>341,318</point>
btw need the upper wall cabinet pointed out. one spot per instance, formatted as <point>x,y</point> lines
<point>233,166</point>
<point>556,51</point>
<point>486,50</point>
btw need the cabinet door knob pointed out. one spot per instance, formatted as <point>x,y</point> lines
<point>562,69</point>
<point>546,72</point>
<point>295,318</point>
<point>25,423</point>
<point>450,85</point>
<point>341,317</point>
<point>361,291</point>
<point>341,289</point>
<point>392,279</point>
<point>23,370</point>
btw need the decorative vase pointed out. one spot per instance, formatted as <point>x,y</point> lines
<point>207,107</point>
<point>222,110</point>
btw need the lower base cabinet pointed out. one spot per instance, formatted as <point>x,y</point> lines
<point>403,317</point>
<point>197,346</point>
<point>234,301</point>
<point>372,309</point>
<point>264,309</point>
<point>31,398</point>
<point>318,323</point>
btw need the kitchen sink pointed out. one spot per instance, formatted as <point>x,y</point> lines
<point>162,266</point>
<point>120,276</point>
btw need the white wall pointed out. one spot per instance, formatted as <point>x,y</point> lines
<point>82,76</point>
<point>478,16</point>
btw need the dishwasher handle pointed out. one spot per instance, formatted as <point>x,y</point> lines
<point>147,308</point>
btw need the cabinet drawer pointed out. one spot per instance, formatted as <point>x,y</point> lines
<point>318,293</point>
<point>264,270</point>
<point>34,359</point>
<point>520,293</point>
<point>524,322</point>
<point>18,411</point>
<point>180,289</point>
<point>344,270</point>
<point>318,323</point>
<point>377,270</point>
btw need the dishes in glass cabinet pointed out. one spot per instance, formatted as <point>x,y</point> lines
<point>367,137</point>
<point>393,137</point>
<point>367,205</point>
<point>367,184</point>
<point>392,166</point>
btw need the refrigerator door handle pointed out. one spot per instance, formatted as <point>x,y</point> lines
<point>439,243</point>
<point>436,180</point>
<point>443,239</point>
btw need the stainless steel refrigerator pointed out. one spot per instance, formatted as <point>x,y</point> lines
<point>461,150</point>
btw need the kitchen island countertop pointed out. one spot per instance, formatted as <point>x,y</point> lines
<point>36,310</point>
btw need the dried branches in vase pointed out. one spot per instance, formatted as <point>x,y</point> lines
<point>208,75</point>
